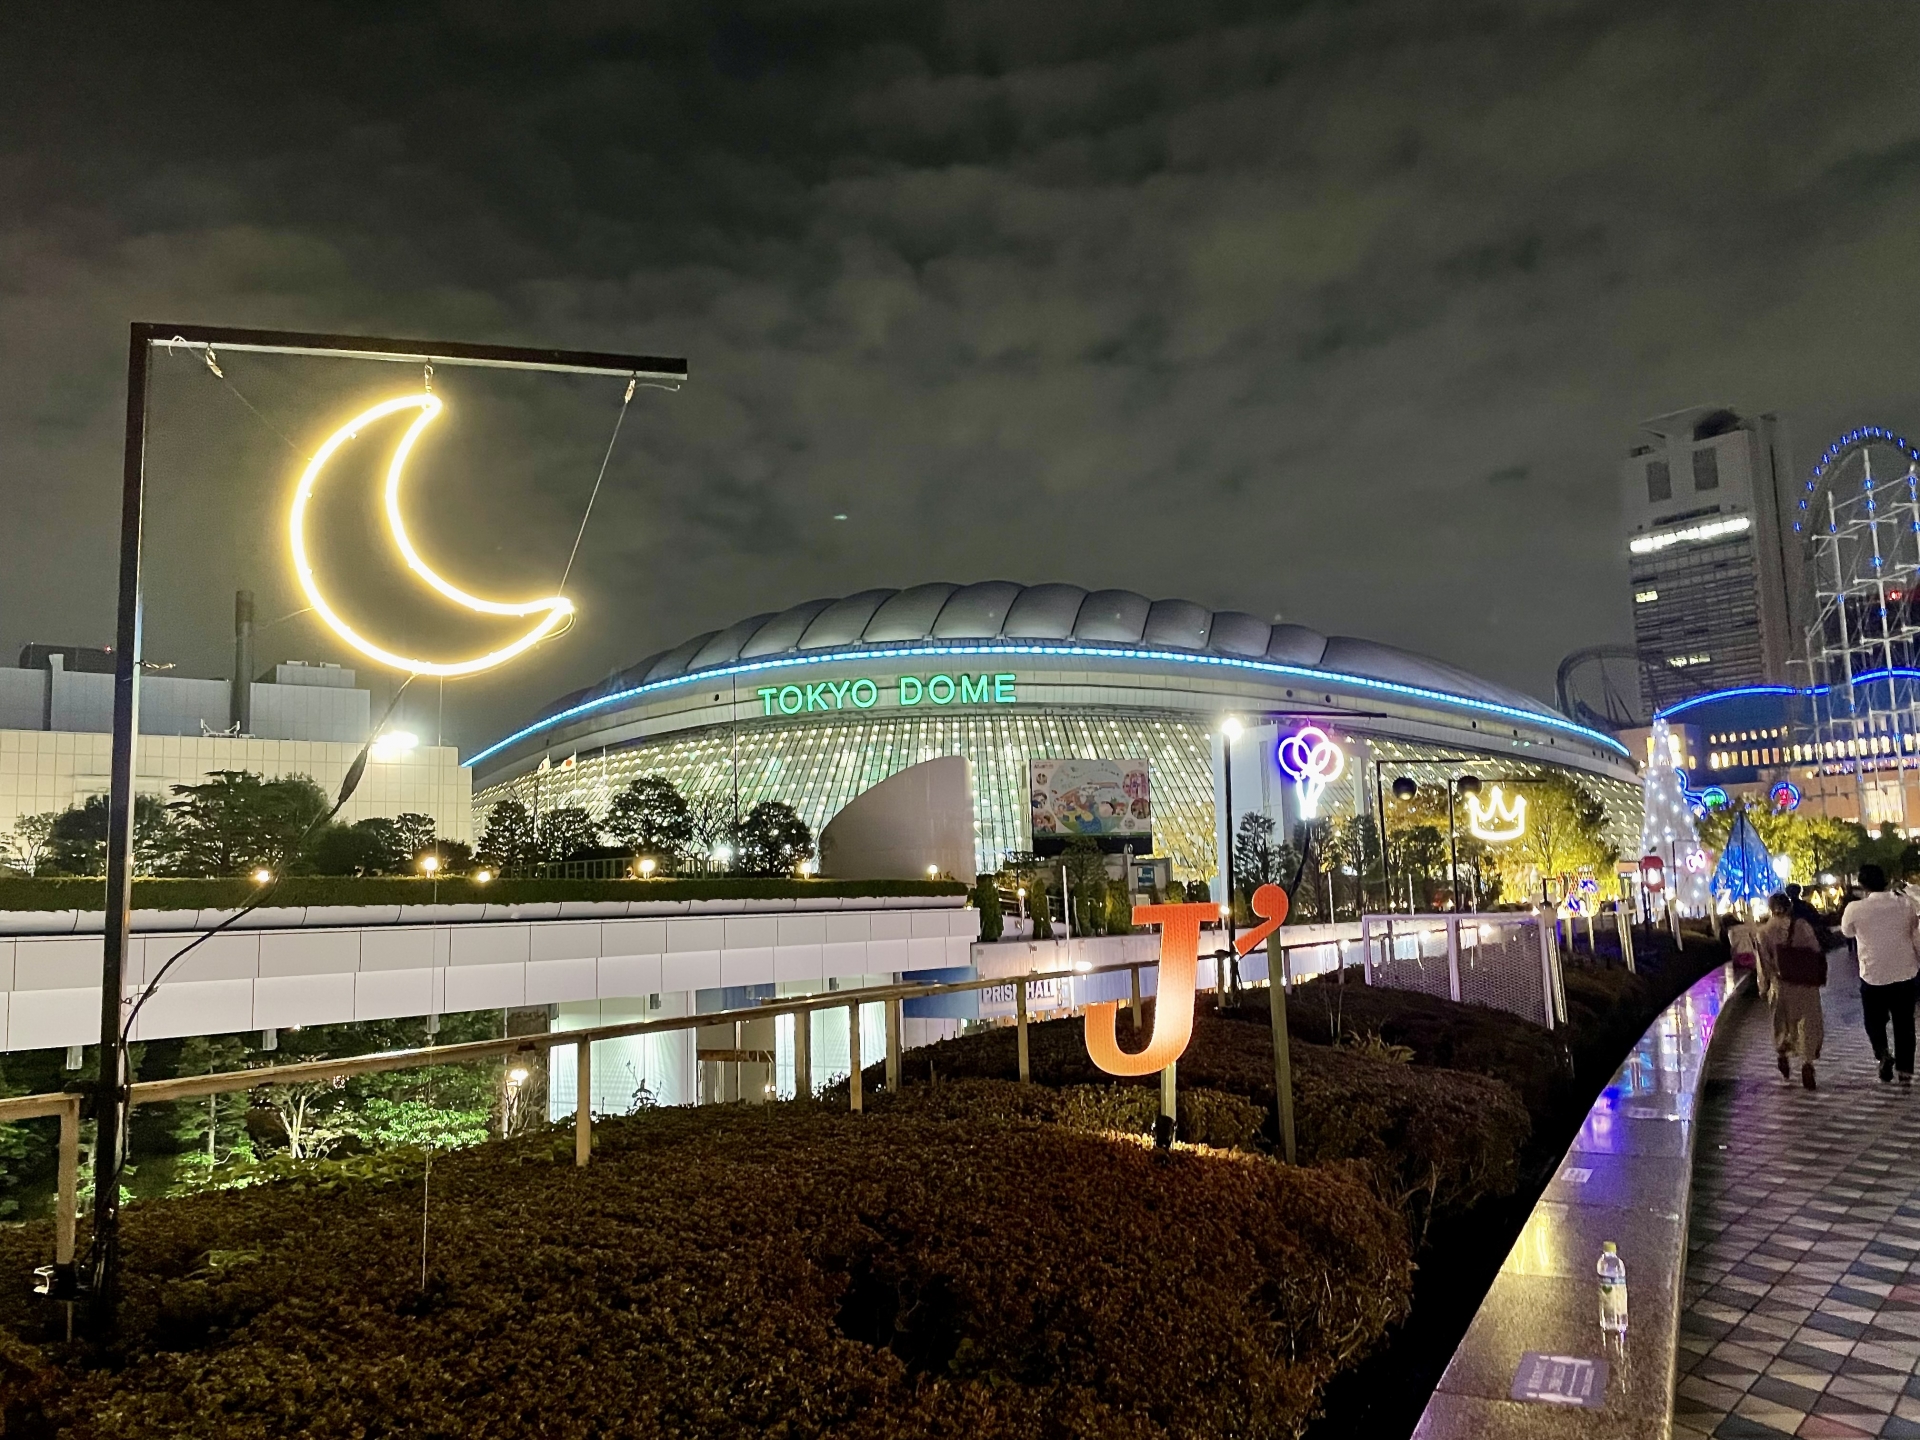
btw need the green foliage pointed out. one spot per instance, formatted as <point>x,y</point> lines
<point>1037,908</point>
<point>1256,858</point>
<point>1119,909</point>
<point>77,839</point>
<point>1565,834</point>
<point>27,845</point>
<point>651,817</point>
<point>986,899</point>
<point>771,839</point>
<point>905,1277</point>
<point>235,821</point>
<point>508,838</point>
<point>1815,844</point>
<point>366,847</point>
<point>384,1124</point>
<point>68,893</point>
<point>1086,867</point>
<point>565,833</point>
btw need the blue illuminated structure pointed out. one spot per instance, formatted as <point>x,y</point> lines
<point>1178,657</point>
<point>1745,873</point>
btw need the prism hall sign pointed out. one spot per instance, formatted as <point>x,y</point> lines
<point>554,610</point>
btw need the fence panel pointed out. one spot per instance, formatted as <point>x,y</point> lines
<point>1492,960</point>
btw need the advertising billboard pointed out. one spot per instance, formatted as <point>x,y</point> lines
<point>1107,800</point>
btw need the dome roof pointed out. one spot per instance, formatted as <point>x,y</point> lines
<point>1064,615</point>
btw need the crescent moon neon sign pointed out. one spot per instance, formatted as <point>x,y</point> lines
<point>554,610</point>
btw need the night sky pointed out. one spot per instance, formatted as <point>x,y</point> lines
<point>1342,313</point>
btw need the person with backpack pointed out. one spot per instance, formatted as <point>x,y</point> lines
<point>1882,925</point>
<point>1792,967</point>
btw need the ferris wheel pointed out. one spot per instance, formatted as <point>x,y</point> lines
<point>1859,523</point>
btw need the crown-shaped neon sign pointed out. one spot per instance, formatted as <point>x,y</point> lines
<point>1499,820</point>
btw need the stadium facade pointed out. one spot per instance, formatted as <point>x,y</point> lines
<point>817,703</point>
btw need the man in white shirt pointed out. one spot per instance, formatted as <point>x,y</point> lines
<point>1882,925</point>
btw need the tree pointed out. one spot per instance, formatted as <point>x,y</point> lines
<point>986,898</point>
<point>29,843</point>
<point>236,821</point>
<point>772,840</point>
<point>565,832</point>
<point>212,1132</point>
<point>651,817</point>
<point>1565,834</point>
<point>366,847</point>
<point>508,838</point>
<point>1255,857</point>
<point>415,832</point>
<point>1086,867</point>
<point>710,817</point>
<point>77,841</point>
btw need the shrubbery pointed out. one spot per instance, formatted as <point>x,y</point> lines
<point>732,1272</point>
<point>1439,1137</point>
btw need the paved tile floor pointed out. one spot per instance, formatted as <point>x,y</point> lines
<point>1802,1293</point>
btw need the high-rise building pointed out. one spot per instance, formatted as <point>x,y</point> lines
<point>1712,563</point>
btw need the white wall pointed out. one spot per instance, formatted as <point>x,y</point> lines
<point>54,769</point>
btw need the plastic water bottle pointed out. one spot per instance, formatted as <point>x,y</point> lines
<point>1613,1290</point>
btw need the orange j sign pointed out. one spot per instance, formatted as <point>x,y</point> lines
<point>1179,970</point>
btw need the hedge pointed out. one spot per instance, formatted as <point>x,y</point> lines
<point>304,890</point>
<point>788,1271</point>
<point>1440,1137</point>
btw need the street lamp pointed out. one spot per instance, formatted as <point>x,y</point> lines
<point>481,877</point>
<point>430,864</point>
<point>1463,785</point>
<point>262,876</point>
<point>647,865</point>
<point>1403,789</point>
<point>1229,732</point>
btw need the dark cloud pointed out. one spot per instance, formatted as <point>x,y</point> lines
<point>1344,311</point>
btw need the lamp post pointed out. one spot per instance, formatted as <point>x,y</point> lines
<point>1404,788</point>
<point>1229,732</point>
<point>1463,785</point>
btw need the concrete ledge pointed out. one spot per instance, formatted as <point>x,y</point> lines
<point>1628,1177</point>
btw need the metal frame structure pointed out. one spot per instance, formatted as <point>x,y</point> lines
<point>1862,533</point>
<point>113,1091</point>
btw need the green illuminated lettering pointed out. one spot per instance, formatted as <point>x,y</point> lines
<point>816,695</point>
<point>933,689</point>
<point>973,689</point>
<point>766,693</point>
<point>839,689</point>
<point>872,694</point>
<point>794,691</point>
<point>1003,690</point>
<point>914,698</point>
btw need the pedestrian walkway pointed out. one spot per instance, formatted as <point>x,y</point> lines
<point>1802,1293</point>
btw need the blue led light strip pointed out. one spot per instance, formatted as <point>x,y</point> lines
<point>1262,667</point>
<point>1865,435</point>
<point>1865,677</point>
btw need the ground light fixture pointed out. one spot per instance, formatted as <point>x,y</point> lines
<point>430,864</point>
<point>647,866</point>
<point>262,876</point>
<point>723,855</point>
<point>481,877</point>
<point>933,872</point>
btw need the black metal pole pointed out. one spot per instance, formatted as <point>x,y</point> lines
<point>1219,986</point>
<point>110,1106</point>
<point>1453,854</point>
<point>1386,872</point>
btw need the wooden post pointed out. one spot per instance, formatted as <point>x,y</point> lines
<point>1134,975</point>
<point>803,1055</point>
<point>1282,1057</point>
<point>68,1179</point>
<point>893,1008</point>
<point>1020,1025</point>
<point>854,1101</point>
<point>582,1102</point>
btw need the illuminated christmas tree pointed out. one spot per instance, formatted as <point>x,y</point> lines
<point>1668,829</point>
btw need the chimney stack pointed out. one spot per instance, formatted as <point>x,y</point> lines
<point>240,702</point>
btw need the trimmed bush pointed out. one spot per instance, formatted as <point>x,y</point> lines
<point>792,1272</point>
<point>1439,1137</point>
<point>1207,1117</point>
<point>302,890</point>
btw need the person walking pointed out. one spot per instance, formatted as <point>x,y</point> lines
<point>1882,926</point>
<point>1791,968</point>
